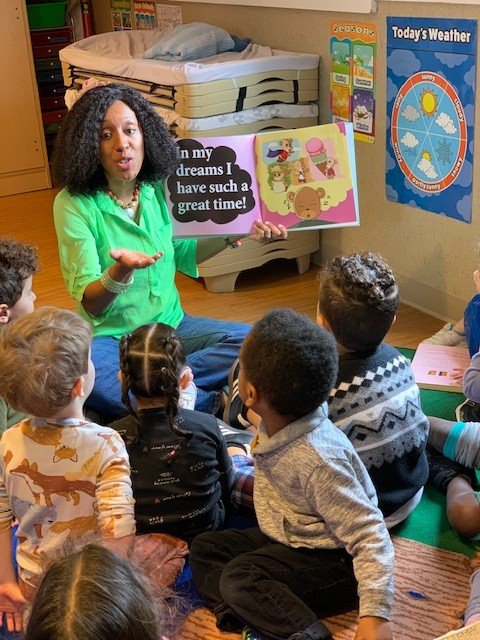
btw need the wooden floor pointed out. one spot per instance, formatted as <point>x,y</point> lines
<point>29,217</point>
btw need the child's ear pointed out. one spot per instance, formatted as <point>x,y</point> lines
<point>251,396</point>
<point>78,390</point>
<point>120,375</point>
<point>322,321</point>
<point>4,313</point>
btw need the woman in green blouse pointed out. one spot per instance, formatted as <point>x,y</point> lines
<point>117,253</point>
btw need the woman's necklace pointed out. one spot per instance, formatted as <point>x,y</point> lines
<point>129,207</point>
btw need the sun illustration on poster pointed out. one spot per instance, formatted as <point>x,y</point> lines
<point>429,102</point>
<point>429,132</point>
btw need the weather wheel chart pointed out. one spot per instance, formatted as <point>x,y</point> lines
<point>429,134</point>
<point>430,108</point>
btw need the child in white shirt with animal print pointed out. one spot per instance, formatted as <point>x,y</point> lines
<point>63,478</point>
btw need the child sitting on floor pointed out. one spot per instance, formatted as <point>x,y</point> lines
<point>181,472</point>
<point>375,400</point>
<point>61,477</point>
<point>321,538</point>
<point>18,264</point>
<point>95,594</point>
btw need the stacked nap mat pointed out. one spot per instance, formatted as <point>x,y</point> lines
<point>230,93</point>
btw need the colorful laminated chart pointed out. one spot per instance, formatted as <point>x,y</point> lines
<point>353,76</point>
<point>430,114</point>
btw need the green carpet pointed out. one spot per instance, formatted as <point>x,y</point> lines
<point>428,523</point>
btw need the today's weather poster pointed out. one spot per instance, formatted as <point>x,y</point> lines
<point>430,114</point>
<point>353,76</point>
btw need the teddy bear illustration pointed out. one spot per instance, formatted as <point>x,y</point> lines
<point>307,202</point>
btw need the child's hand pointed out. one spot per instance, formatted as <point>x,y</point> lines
<point>11,604</point>
<point>457,374</point>
<point>373,628</point>
<point>476,280</point>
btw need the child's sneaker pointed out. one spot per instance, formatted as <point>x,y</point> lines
<point>249,634</point>
<point>236,437</point>
<point>468,411</point>
<point>443,471</point>
<point>235,412</point>
<point>448,337</point>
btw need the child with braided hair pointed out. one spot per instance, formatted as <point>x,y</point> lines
<point>181,472</point>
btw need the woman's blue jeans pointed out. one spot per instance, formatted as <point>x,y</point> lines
<point>211,346</point>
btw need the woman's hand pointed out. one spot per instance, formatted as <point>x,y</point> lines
<point>134,259</point>
<point>266,231</point>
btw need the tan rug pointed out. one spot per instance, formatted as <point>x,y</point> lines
<point>431,590</point>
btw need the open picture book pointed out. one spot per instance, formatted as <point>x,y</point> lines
<point>432,365</point>
<point>301,178</point>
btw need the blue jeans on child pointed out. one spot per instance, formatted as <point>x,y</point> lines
<point>471,320</point>
<point>211,346</point>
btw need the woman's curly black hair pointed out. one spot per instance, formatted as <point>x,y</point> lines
<point>76,158</point>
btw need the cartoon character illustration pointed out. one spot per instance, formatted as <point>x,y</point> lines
<point>307,202</point>
<point>300,172</point>
<point>284,152</point>
<point>32,516</point>
<point>65,453</point>
<point>278,178</point>
<point>329,168</point>
<point>39,484</point>
<point>50,437</point>
<point>80,525</point>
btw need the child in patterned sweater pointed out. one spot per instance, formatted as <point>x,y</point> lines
<point>63,479</point>
<point>375,401</point>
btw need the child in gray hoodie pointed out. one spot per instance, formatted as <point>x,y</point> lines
<point>322,544</point>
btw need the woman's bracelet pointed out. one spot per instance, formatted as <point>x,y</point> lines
<point>233,244</point>
<point>112,285</point>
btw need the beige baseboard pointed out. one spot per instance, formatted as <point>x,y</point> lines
<point>416,294</point>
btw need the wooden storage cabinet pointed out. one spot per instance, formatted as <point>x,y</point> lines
<point>46,43</point>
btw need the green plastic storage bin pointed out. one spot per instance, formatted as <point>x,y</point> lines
<point>46,15</point>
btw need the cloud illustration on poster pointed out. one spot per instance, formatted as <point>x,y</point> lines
<point>410,113</point>
<point>446,123</point>
<point>392,90</point>
<point>469,110</point>
<point>412,203</point>
<point>425,165</point>
<point>465,176</point>
<point>409,140</point>
<point>471,144</point>
<point>450,60</point>
<point>391,193</point>
<point>464,207</point>
<point>390,162</point>
<point>403,63</point>
<point>469,77</point>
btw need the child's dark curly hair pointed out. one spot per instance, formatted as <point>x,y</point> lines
<point>291,361</point>
<point>359,298</point>
<point>76,159</point>
<point>18,261</point>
